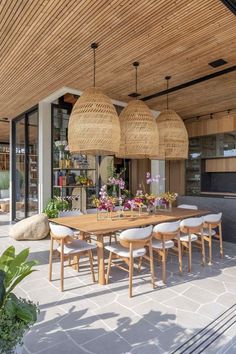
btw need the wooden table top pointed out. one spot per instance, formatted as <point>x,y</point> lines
<point>90,224</point>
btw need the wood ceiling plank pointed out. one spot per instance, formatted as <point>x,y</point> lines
<point>49,48</point>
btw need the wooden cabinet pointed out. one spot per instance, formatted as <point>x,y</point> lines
<point>221,165</point>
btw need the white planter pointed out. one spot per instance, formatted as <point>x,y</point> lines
<point>5,193</point>
<point>18,349</point>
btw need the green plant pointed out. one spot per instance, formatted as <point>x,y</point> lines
<point>16,314</point>
<point>54,206</point>
<point>4,179</point>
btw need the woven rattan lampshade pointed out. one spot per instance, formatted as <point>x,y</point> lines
<point>173,136</point>
<point>94,126</point>
<point>139,138</point>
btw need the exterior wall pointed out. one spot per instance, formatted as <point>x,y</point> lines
<point>45,163</point>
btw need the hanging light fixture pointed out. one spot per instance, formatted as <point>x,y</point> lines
<point>94,126</point>
<point>139,138</point>
<point>173,136</point>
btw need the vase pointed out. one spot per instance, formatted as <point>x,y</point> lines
<point>61,159</point>
<point>103,214</point>
<point>150,209</point>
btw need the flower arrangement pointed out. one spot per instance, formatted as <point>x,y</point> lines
<point>117,182</point>
<point>105,202</point>
<point>169,197</point>
<point>61,145</point>
<point>150,179</point>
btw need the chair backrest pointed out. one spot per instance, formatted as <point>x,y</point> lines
<point>66,213</point>
<point>212,218</point>
<point>60,231</point>
<point>91,211</point>
<point>167,227</point>
<point>191,223</point>
<point>187,206</point>
<point>138,237</point>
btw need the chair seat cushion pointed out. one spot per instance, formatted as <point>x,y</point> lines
<point>185,237</point>
<point>124,252</point>
<point>76,246</point>
<point>206,232</point>
<point>158,244</point>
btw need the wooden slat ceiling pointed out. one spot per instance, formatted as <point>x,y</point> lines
<point>45,44</point>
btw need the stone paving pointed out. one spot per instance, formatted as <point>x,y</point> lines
<point>90,318</point>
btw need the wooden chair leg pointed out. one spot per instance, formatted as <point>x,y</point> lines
<point>50,259</point>
<point>77,258</point>
<point>90,254</point>
<point>203,249</point>
<point>110,240</point>
<point>180,255</point>
<point>131,268</point>
<point>152,265</point>
<point>109,268</point>
<point>140,264</point>
<point>210,246</point>
<point>190,254</point>
<point>221,241</point>
<point>62,265</point>
<point>164,265</point>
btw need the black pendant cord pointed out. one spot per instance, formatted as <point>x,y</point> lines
<point>94,47</point>
<point>167,88</point>
<point>136,65</point>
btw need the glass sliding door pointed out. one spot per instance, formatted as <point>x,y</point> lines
<point>25,165</point>
<point>32,175</point>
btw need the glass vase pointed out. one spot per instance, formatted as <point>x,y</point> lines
<point>61,159</point>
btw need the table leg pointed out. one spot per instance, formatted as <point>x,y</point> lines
<point>100,255</point>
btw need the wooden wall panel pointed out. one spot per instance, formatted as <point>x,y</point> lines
<point>221,165</point>
<point>221,124</point>
<point>139,168</point>
<point>175,176</point>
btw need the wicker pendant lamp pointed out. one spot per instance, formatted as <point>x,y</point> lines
<point>139,138</point>
<point>173,136</point>
<point>94,126</point>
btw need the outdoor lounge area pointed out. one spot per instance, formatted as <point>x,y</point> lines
<point>118,177</point>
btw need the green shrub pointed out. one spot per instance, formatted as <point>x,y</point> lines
<point>54,206</point>
<point>4,179</point>
<point>17,315</point>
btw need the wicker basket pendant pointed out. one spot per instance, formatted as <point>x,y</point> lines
<point>139,136</point>
<point>173,136</point>
<point>94,126</point>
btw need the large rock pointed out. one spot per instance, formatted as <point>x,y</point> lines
<point>33,228</point>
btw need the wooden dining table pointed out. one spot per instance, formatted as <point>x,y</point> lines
<point>89,224</point>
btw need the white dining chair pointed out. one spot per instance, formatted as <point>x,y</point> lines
<point>164,235</point>
<point>75,212</point>
<point>212,224</point>
<point>68,248</point>
<point>91,211</point>
<point>131,245</point>
<point>66,213</point>
<point>187,206</point>
<point>190,228</point>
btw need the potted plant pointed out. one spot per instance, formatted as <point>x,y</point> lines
<point>54,206</point>
<point>17,315</point>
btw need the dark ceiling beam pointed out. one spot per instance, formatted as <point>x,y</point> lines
<point>231,4</point>
<point>190,83</point>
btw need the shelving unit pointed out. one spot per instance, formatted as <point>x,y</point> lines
<point>193,167</point>
<point>85,192</point>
